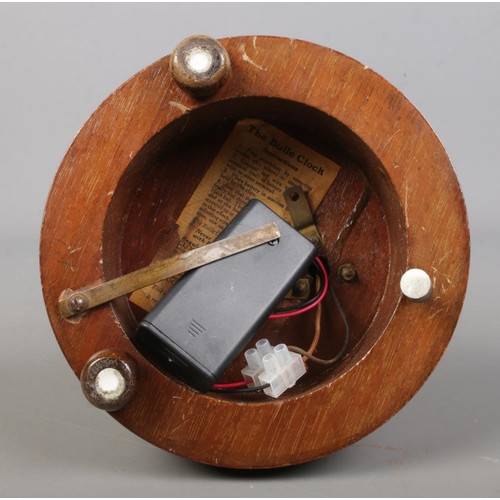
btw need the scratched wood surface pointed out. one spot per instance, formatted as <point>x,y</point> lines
<point>396,204</point>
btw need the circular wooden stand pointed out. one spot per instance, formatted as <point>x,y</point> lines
<point>395,205</point>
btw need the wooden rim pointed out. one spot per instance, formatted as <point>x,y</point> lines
<point>425,214</point>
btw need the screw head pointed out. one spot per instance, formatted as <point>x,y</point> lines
<point>347,273</point>
<point>78,303</point>
<point>300,288</point>
<point>416,285</point>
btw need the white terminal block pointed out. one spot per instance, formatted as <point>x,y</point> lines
<point>276,366</point>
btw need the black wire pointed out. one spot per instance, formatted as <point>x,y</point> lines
<point>317,272</point>
<point>347,336</point>
<point>241,390</point>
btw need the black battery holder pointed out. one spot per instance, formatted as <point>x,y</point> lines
<point>211,313</point>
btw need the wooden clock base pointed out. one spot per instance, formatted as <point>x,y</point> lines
<point>395,205</point>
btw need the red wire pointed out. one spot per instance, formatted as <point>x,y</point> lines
<point>232,385</point>
<point>310,306</point>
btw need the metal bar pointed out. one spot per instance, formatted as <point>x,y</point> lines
<point>77,302</point>
<point>300,212</point>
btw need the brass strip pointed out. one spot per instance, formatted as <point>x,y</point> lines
<point>300,212</point>
<point>72,303</point>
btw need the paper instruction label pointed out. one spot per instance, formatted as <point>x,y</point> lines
<point>256,161</point>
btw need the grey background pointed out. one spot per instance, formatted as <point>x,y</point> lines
<point>58,63</point>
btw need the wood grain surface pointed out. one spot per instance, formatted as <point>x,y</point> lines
<point>396,204</point>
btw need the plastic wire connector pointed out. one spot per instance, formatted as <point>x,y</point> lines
<point>254,359</point>
<point>276,366</point>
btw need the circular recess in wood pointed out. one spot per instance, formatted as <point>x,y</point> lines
<point>395,205</point>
